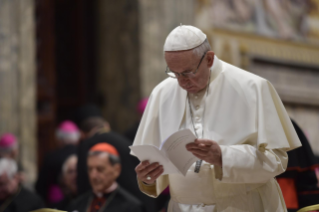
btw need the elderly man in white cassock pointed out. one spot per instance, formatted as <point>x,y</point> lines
<point>243,131</point>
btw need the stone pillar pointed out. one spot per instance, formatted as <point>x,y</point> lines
<point>157,19</point>
<point>17,79</point>
<point>118,61</point>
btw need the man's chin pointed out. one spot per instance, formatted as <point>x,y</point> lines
<point>191,90</point>
<point>97,189</point>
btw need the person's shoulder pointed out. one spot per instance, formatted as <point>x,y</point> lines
<point>235,72</point>
<point>242,78</point>
<point>128,197</point>
<point>80,201</point>
<point>26,194</point>
<point>28,199</point>
<point>166,84</point>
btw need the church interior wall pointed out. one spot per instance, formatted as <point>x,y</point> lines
<point>117,61</point>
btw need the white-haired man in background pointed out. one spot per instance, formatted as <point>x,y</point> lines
<point>242,130</point>
<point>68,182</point>
<point>47,185</point>
<point>13,197</point>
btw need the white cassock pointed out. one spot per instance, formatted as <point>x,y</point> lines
<point>241,112</point>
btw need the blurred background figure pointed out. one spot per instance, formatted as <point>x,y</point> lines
<point>9,146</point>
<point>95,130</point>
<point>68,182</point>
<point>299,184</point>
<point>104,167</point>
<point>67,134</point>
<point>13,196</point>
<point>47,185</point>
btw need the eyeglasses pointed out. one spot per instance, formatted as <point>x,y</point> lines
<point>184,74</point>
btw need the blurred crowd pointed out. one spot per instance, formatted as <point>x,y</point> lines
<point>92,169</point>
<point>79,168</point>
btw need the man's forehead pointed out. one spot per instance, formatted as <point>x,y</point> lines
<point>178,55</point>
<point>99,158</point>
<point>183,60</point>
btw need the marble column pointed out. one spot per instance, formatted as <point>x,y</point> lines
<point>118,61</point>
<point>17,79</point>
<point>157,19</point>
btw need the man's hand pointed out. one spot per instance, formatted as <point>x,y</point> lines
<point>206,150</point>
<point>148,173</point>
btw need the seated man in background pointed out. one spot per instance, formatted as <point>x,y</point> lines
<point>68,182</point>
<point>9,148</point>
<point>106,195</point>
<point>13,197</point>
<point>95,129</point>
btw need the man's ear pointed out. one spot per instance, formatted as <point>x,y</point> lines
<point>117,169</point>
<point>82,135</point>
<point>210,58</point>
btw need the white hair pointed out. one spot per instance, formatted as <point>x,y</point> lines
<point>71,158</point>
<point>201,49</point>
<point>8,166</point>
<point>68,137</point>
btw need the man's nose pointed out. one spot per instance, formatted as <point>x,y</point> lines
<point>183,80</point>
<point>93,173</point>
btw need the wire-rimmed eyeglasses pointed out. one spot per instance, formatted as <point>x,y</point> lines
<point>184,74</point>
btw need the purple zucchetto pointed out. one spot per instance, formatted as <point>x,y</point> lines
<point>68,126</point>
<point>68,132</point>
<point>7,141</point>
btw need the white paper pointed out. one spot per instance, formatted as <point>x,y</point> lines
<point>172,154</point>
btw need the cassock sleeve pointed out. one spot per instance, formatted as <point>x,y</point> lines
<point>246,164</point>
<point>257,164</point>
<point>155,189</point>
<point>149,133</point>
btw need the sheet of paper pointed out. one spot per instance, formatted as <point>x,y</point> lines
<point>175,149</point>
<point>152,154</point>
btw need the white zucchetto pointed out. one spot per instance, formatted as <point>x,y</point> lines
<point>184,37</point>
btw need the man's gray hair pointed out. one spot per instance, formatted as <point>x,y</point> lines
<point>65,165</point>
<point>112,158</point>
<point>8,166</point>
<point>201,49</point>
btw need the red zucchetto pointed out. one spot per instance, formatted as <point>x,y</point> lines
<point>104,147</point>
